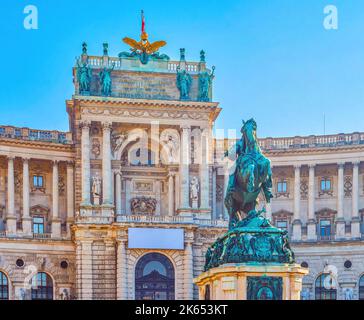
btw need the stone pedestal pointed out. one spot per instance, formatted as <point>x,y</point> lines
<point>355,228</point>
<point>297,230</point>
<point>311,230</point>
<point>251,281</point>
<point>340,228</point>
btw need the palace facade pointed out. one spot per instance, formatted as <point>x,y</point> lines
<point>125,204</point>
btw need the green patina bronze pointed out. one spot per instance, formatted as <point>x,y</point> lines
<point>84,75</point>
<point>204,84</point>
<point>106,81</point>
<point>251,239</point>
<point>264,288</point>
<point>183,82</point>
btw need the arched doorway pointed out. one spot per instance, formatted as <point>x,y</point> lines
<point>325,287</point>
<point>42,287</point>
<point>154,278</point>
<point>4,286</point>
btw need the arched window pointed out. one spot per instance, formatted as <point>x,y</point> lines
<point>4,287</point>
<point>325,288</point>
<point>361,288</point>
<point>42,287</point>
<point>154,278</point>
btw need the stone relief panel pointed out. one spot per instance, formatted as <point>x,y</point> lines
<point>348,186</point>
<point>95,147</point>
<point>143,205</point>
<point>304,189</point>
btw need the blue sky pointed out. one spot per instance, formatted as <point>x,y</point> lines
<point>274,59</point>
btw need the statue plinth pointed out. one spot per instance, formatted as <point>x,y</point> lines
<point>252,261</point>
<point>251,281</point>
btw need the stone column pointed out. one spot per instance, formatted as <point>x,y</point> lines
<point>204,170</point>
<point>122,271</point>
<point>84,259</point>
<point>311,223</point>
<point>27,221</point>
<point>11,217</point>
<point>188,271</point>
<point>355,220</point>
<point>106,164</point>
<point>170,194</point>
<point>158,197</point>
<point>297,234</point>
<point>214,209</point>
<point>85,162</point>
<point>268,209</point>
<point>70,197</point>
<point>340,221</point>
<point>184,168</point>
<point>56,221</point>
<point>118,192</point>
<point>226,182</point>
<point>127,196</point>
<point>155,144</point>
<point>176,191</point>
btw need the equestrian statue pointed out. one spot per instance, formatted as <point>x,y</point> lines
<point>252,175</point>
<point>251,238</point>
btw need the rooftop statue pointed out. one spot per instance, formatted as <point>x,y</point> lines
<point>84,75</point>
<point>144,48</point>
<point>204,84</point>
<point>106,81</point>
<point>183,82</point>
<point>251,237</point>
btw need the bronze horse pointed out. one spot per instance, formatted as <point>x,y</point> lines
<point>252,175</point>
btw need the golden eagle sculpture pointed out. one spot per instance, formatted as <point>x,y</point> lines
<point>143,48</point>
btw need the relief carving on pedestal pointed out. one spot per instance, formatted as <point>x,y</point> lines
<point>143,205</point>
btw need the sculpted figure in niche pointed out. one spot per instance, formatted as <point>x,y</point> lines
<point>96,189</point>
<point>194,191</point>
<point>171,147</point>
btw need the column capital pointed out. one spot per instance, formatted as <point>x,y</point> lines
<point>356,163</point>
<point>106,125</point>
<point>297,166</point>
<point>10,158</point>
<point>311,165</point>
<point>341,164</point>
<point>85,124</point>
<point>185,127</point>
<point>55,162</point>
<point>70,164</point>
<point>25,160</point>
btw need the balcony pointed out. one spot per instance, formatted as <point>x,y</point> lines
<point>42,235</point>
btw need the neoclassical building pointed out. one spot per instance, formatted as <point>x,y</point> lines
<point>125,204</point>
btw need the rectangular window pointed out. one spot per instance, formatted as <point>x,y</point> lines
<point>38,181</point>
<point>282,224</point>
<point>325,184</point>
<point>325,229</point>
<point>282,187</point>
<point>38,225</point>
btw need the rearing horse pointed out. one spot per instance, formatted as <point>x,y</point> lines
<point>252,175</point>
